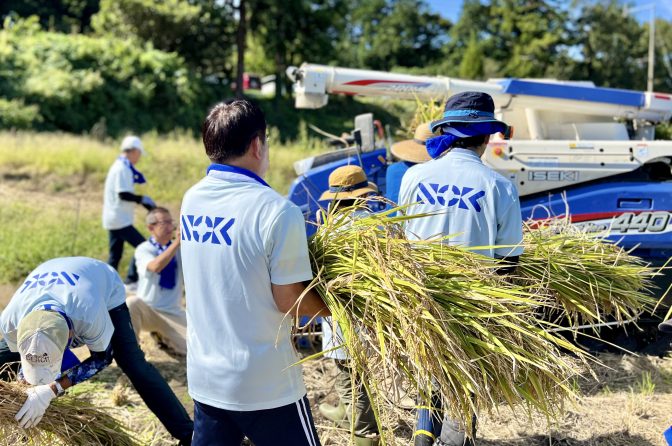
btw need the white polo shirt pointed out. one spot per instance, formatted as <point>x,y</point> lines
<point>473,202</point>
<point>85,289</point>
<point>238,237</point>
<point>161,299</point>
<point>118,213</point>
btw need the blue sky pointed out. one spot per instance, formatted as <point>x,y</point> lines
<point>451,8</point>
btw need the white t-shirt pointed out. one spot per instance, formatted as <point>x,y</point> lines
<point>238,237</point>
<point>118,213</point>
<point>475,203</point>
<point>85,289</point>
<point>161,299</point>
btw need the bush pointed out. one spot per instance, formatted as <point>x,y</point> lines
<point>71,82</point>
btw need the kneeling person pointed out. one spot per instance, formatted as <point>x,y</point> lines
<point>156,307</point>
<point>71,302</point>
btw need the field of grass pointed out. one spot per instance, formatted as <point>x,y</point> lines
<point>51,190</point>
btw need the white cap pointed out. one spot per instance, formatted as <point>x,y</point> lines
<point>42,336</point>
<point>132,142</point>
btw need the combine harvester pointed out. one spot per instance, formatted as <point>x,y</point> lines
<point>578,151</point>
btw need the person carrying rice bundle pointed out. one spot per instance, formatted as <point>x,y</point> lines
<point>245,259</point>
<point>348,188</point>
<point>473,204</point>
<point>71,302</point>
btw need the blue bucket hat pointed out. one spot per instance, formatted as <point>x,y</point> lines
<point>467,114</point>
<point>467,107</point>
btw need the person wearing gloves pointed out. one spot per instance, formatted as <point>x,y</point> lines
<point>119,202</point>
<point>464,197</point>
<point>409,153</point>
<point>348,186</point>
<point>70,302</point>
<point>245,260</point>
<point>157,305</point>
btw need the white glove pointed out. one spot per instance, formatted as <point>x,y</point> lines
<point>33,409</point>
<point>148,202</point>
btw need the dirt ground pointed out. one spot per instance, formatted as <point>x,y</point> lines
<point>628,405</point>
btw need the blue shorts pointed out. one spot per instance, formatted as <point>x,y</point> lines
<point>290,425</point>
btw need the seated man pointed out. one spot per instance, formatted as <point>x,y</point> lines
<point>71,302</point>
<point>156,307</point>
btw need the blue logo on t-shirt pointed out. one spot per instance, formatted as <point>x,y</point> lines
<point>205,229</point>
<point>447,195</point>
<point>51,278</point>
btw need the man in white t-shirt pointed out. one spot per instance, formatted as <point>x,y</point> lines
<point>70,302</point>
<point>119,200</point>
<point>157,305</point>
<point>466,199</point>
<point>245,260</point>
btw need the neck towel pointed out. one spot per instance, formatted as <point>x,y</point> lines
<point>138,178</point>
<point>168,275</point>
<point>439,144</point>
<point>238,170</point>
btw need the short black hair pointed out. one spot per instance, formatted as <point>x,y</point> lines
<point>472,141</point>
<point>230,127</point>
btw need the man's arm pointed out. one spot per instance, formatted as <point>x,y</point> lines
<point>144,200</point>
<point>287,296</point>
<point>81,372</point>
<point>162,260</point>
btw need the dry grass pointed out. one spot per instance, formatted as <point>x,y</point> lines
<point>68,421</point>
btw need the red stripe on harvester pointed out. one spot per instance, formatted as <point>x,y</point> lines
<point>662,96</point>
<point>365,82</point>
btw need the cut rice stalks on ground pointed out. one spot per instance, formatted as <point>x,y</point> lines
<point>67,421</point>
<point>438,314</point>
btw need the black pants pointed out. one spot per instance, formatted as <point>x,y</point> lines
<point>117,239</point>
<point>290,425</point>
<point>146,379</point>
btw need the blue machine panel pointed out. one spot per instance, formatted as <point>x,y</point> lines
<point>305,191</point>
<point>638,214</point>
<point>574,92</point>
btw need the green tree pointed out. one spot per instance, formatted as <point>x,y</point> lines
<point>203,32</point>
<point>383,34</point>
<point>294,31</point>
<point>59,15</point>
<point>471,66</point>
<point>612,47</point>
<point>518,38</point>
<point>663,67</point>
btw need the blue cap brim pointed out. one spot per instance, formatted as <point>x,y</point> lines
<point>434,125</point>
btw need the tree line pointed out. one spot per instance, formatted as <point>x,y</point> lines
<point>154,64</point>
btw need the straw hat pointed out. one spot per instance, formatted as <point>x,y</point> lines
<point>414,150</point>
<point>348,182</point>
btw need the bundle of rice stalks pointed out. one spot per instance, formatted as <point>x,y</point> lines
<point>425,111</point>
<point>434,313</point>
<point>67,421</point>
<point>590,279</point>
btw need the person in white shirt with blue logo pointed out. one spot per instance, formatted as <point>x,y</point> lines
<point>157,305</point>
<point>245,260</point>
<point>469,201</point>
<point>71,302</point>
<point>119,200</point>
